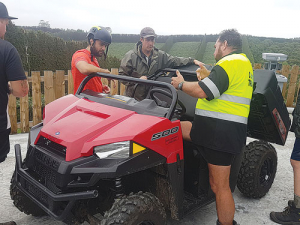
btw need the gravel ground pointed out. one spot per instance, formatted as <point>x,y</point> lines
<point>248,211</point>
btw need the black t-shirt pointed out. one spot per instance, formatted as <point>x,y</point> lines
<point>11,69</point>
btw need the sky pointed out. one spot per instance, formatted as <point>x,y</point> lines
<point>266,18</point>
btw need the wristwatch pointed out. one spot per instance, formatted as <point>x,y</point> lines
<point>180,85</point>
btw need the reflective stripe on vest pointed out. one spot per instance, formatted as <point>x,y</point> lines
<point>222,116</point>
<point>236,99</point>
<point>212,87</point>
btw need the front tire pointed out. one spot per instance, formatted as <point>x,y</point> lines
<point>258,169</point>
<point>136,209</point>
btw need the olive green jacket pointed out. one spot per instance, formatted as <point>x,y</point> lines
<point>134,65</point>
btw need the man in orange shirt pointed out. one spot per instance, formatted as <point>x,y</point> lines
<point>84,61</point>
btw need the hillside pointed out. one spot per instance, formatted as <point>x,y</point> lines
<point>118,50</point>
<point>208,57</point>
<point>51,49</point>
<point>184,49</point>
<point>253,47</point>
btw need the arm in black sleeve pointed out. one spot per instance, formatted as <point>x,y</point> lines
<point>215,84</point>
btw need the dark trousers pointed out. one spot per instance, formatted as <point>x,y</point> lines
<point>4,144</point>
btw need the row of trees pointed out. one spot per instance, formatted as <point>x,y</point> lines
<point>80,35</point>
<point>41,51</point>
<point>290,47</point>
<point>43,48</point>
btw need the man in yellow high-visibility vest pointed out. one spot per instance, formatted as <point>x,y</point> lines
<point>221,115</point>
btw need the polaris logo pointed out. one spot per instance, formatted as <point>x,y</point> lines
<point>47,142</point>
<point>164,133</point>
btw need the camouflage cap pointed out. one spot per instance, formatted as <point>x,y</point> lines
<point>147,32</point>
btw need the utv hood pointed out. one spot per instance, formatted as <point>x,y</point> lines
<point>80,125</point>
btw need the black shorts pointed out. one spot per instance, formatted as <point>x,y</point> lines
<point>216,157</point>
<point>4,144</point>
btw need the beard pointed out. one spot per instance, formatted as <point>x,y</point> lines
<point>96,53</point>
<point>218,55</point>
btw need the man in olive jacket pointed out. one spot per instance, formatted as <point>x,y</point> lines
<point>145,59</point>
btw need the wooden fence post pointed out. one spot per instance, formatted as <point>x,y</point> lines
<point>297,92</point>
<point>292,86</point>
<point>104,81</point>
<point>49,87</point>
<point>285,72</point>
<point>12,111</point>
<point>24,114</point>
<point>122,89</point>
<point>70,83</point>
<point>114,85</point>
<point>59,81</point>
<point>36,97</point>
<point>257,66</point>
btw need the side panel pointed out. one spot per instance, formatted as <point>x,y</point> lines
<point>268,119</point>
<point>164,138</point>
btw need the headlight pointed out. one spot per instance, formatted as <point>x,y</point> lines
<point>116,150</point>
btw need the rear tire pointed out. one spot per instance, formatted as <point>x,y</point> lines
<point>136,209</point>
<point>22,202</point>
<point>258,169</point>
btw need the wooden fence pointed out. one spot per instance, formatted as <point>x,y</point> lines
<point>53,85</point>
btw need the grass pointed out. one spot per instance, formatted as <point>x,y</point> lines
<point>159,45</point>
<point>184,49</point>
<point>118,50</point>
<point>208,57</point>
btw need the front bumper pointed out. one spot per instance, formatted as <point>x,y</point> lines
<point>50,202</point>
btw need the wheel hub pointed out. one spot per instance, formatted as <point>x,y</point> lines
<point>266,172</point>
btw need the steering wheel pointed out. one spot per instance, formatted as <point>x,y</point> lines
<point>179,110</point>
<point>152,77</point>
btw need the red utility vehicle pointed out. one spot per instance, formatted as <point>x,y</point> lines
<point>110,159</point>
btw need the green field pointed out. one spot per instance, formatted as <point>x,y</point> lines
<point>185,49</point>
<point>208,57</point>
<point>159,45</point>
<point>119,49</point>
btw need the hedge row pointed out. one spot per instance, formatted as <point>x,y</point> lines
<point>41,51</point>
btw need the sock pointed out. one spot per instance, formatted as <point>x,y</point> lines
<point>297,201</point>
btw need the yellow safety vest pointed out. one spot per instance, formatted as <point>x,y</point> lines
<point>234,104</point>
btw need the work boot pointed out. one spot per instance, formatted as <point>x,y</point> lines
<point>290,215</point>
<point>9,223</point>
<point>233,223</point>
